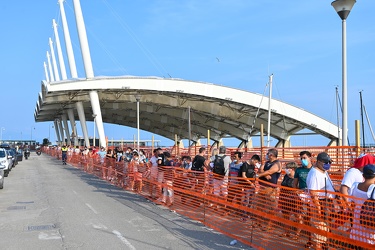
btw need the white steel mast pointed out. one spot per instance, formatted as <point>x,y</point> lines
<point>269,111</point>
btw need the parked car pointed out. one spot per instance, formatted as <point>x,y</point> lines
<point>13,157</point>
<point>14,154</point>
<point>6,161</point>
<point>19,155</point>
<point>5,145</point>
<point>2,176</point>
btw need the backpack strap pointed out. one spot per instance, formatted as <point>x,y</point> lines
<point>372,194</point>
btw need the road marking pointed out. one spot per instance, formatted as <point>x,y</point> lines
<point>99,226</point>
<point>75,192</point>
<point>92,209</point>
<point>50,236</point>
<point>124,240</point>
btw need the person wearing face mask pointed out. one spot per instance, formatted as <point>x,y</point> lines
<point>318,178</point>
<point>319,185</point>
<point>299,182</point>
<point>301,173</point>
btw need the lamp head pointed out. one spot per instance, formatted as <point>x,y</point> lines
<point>343,7</point>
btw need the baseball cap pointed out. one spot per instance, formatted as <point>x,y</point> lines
<point>364,160</point>
<point>323,157</point>
<point>369,171</point>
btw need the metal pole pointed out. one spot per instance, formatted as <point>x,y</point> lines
<point>269,112</point>
<point>344,88</point>
<point>137,97</point>
<point>93,143</point>
<point>339,143</point>
<point>138,125</point>
<point>363,123</point>
<point>189,130</point>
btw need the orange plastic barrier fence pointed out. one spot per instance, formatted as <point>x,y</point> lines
<point>259,215</point>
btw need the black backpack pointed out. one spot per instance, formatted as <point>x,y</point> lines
<point>367,215</point>
<point>250,170</point>
<point>219,165</point>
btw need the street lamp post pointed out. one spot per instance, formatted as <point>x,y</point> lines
<point>94,115</point>
<point>1,133</point>
<point>343,8</point>
<point>137,98</point>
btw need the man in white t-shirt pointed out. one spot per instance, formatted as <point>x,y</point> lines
<point>318,184</point>
<point>354,174</point>
<point>318,179</point>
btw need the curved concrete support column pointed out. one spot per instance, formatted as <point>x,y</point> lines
<point>85,50</point>
<point>215,144</point>
<point>82,119</point>
<point>68,42</point>
<point>241,145</point>
<point>46,71</point>
<point>97,112</point>
<point>66,128</point>
<point>54,63</point>
<point>283,143</point>
<point>220,143</point>
<point>332,143</point>
<point>57,132</point>
<point>73,126</point>
<point>246,144</point>
<point>52,78</point>
<point>59,51</point>
<point>180,144</point>
<point>61,129</point>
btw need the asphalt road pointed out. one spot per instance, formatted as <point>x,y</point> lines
<point>45,205</point>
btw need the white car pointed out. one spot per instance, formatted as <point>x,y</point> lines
<point>5,161</point>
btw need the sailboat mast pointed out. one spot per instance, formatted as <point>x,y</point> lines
<point>368,121</point>
<point>363,124</point>
<point>269,111</point>
<point>189,128</point>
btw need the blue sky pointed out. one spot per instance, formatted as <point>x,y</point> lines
<point>298,41</point>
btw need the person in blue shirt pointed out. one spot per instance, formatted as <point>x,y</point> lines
<point>102,153</point>
<point>234,168</point>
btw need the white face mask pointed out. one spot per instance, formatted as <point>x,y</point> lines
<point>288,171</point>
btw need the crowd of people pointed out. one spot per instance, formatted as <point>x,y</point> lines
<point>295,189</point>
